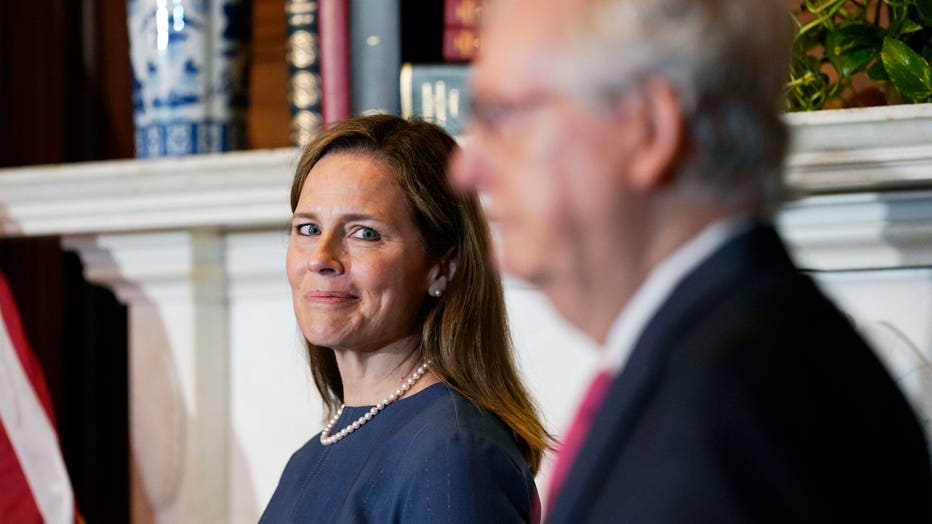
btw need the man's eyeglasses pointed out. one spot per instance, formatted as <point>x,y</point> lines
<point>495,115</point>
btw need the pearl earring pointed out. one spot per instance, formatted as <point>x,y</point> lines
<point>436,292</point>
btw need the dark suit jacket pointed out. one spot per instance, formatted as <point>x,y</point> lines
<point>750,398</point>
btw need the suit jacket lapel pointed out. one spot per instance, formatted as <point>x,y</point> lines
<point>631,390</point>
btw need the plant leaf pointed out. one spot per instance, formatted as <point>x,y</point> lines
<point>850,46</point>
<point>910,26</point>
<point>809,40</point>
<point>925,10</point>
<point>902,26</point>
<point>909,72</point>
<point>877,72</point>
<point>853,62</point>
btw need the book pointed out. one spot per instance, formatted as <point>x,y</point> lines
<point>304,82</point>
<point>437,93</point>
<point>460,44</point>
<point>461,29</point>
<point>462,12</point>
<point>334,60</point>
<point>375,55</point>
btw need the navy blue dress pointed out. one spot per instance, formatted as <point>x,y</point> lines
<point>430,457</point>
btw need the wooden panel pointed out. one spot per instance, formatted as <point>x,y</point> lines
<point>64,82</point>
<point>34,44</point>
<point>107,87</point>
<point>268,84</point>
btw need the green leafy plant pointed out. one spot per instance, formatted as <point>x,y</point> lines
<point>838,41</point>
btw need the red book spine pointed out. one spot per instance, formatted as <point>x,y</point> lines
<point>461,29</point>
<point>461,12</point>
<point>460,44</point>
<point>334,60</point>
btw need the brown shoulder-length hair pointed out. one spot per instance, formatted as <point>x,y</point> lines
<point>464,333</point>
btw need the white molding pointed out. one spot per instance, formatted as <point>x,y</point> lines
<point>874,148</point>
<point>860,231</point>
<point>233,190</point>
<point>869,169</point>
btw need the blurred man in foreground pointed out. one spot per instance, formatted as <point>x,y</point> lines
<point>631,153</point>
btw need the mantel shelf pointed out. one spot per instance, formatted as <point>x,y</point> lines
<point>865,149</point>
<point>246,189</point>
<point>852,150</point>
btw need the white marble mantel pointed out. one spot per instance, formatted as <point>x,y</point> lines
<point>219,387</point>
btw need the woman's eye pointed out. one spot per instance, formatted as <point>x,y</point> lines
<point>307,229</point>
<point>366,233</point>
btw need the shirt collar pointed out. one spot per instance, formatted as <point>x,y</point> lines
<point>656,289</point>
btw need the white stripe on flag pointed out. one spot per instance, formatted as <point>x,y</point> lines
<point>33,437</point>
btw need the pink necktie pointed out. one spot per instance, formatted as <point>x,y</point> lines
<point>578,430</point>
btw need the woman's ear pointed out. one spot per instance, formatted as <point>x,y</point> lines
<point>440,274</point>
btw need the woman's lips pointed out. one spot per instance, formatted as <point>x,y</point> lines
<point>328,297</point>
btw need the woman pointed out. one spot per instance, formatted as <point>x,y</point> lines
<point>403,312</point>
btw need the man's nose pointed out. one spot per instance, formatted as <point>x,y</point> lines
<point>468,171</point>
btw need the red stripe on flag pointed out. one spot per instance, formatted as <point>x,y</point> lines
<point>27,358</point>
<point>16,502</point>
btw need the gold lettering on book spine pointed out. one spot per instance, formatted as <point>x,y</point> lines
<point>304,89</point>
<point>467,12</point>
<point>466,43</point>
<point>302,49</point>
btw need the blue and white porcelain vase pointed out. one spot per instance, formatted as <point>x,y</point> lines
<point>190,66</point>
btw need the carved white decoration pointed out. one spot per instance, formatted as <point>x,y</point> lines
<point>904,361</point>
<point>158,424</point>
<point>158,427</point>
<point>174,285</point>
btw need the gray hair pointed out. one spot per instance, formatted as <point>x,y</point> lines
<point>728,61</point>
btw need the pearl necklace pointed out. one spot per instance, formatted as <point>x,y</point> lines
<point>325,437</point>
